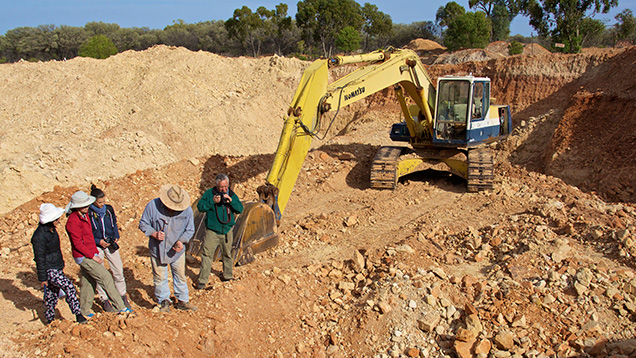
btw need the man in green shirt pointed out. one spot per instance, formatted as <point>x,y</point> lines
<point>221,205</point>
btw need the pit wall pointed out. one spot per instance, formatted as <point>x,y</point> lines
<point>587,101</point>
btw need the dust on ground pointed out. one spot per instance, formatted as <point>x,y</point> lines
<point>539,267</point>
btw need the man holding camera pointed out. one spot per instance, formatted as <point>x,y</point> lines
<point>221,205</point>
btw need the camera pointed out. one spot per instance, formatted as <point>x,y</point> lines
<point>113,244</point>
<point>223,200</point>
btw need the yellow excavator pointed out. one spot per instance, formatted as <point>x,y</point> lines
<point>448,128</point>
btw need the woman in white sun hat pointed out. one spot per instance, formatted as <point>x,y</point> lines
<point>92,273</point>
<point>49,264</point>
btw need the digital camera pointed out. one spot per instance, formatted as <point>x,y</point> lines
<point>113,244</point>
<point>224,200</point>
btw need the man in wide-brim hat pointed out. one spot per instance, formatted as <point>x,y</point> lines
<point>168,221</point>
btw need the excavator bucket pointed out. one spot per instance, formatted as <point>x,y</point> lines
<point>256,230</point>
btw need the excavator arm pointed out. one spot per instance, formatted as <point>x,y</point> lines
<point>315,97</point>
<point>299,128</point>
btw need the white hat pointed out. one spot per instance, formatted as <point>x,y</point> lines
<point>49,213</point>
<point>174,197</point>
<point>80,200</point>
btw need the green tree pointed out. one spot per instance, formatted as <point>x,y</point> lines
<point>248,28</point>
<point>593,31</point>
<point>70,39</point>
<point>101,28</point>
<point>126,39</point>
<point>348,40</point>
<point>99,47</point>
<point>448,13</point>
<point>402,34</point>
<point>500,20</point>
<point>562,20</point>
<point>147,39</point>
<point>322,20</point>
<point>212,36</point>
<point>515,48</point>
<point>3,49</point>
<point>30,43</point>
<point>376,24</point>
<point>626,26</point>
<point>179,34</point>
<point>500,13</point>
<point>471,30</point>
<point>278,28</point>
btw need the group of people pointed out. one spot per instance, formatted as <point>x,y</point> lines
<point>167,221</point>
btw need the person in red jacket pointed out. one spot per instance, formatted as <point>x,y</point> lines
<point>92,273</point>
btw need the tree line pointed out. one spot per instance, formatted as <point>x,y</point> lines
<point>324,27</point>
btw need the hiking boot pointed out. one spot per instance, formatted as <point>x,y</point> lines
<point>107,306</point>
<point>126,303</point>
<point>81,319</point>
<point>223,279</point>
<point>199,286</point>
<point>165,306</point>
<point>186,306</point>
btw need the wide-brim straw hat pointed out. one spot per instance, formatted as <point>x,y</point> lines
<point>174,197</point>
<point>80,200</point>
<point>49,213</point>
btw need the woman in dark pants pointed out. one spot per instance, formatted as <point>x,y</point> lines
<point>49,264</point>
<point>106,234</point>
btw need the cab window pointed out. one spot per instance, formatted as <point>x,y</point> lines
<point>453,101</point>
<point>478,101</point>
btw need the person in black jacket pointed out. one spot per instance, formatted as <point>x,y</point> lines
<point>106,234</point>
<point>49,264</point>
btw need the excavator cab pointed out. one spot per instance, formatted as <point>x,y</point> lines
<point>461,100</point>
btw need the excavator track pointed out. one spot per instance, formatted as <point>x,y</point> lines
<point>384,168</point>
<point>480,169</point>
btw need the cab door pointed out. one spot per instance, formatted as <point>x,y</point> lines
<point>480,128</point>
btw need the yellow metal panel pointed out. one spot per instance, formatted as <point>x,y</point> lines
<point>411,165</point>
<point>408,166</point>
<point>294,141</point>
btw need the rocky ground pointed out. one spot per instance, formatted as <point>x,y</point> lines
<point>539,267</point>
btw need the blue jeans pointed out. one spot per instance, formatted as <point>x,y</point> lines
<point>179,281</point>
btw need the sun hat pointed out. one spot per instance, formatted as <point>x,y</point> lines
<point>174,197</point>
<point>49,213</point>
<point>79,200</point>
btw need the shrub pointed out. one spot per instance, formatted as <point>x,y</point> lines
<point>515,48</point>
<point>99,47</point>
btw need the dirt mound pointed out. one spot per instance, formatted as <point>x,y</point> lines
<point>72,122</point>
<point>498,47</point>
<point>469,55</point>
<point>424,45</point>
<point>534,49</point>
<point>495,50</point>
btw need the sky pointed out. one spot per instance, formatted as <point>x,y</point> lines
<point>157,14</point>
